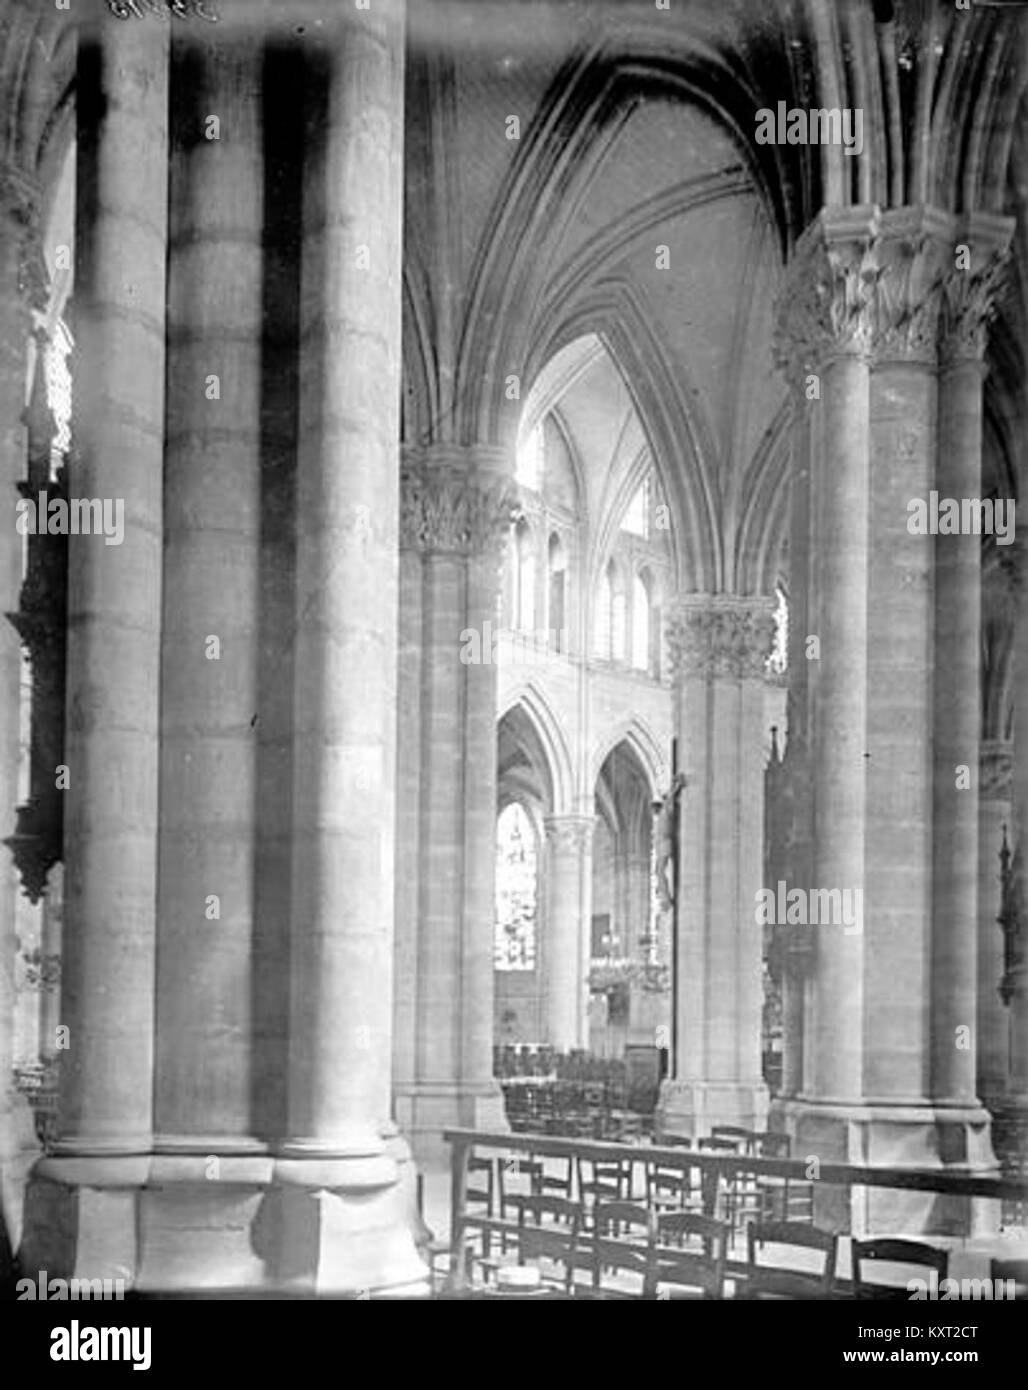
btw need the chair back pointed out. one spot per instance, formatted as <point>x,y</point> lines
<point>691,1251</point>
<point>603,1180</point>
<point>556,1239</point>
<point>624,1240</point>
<point>893,1250</point>
<point>775,1278</point>
<point>479,1187</point>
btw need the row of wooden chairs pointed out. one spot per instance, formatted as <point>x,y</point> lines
<point>496,1185</point>
<point>634,1252</point>
<point>649,1253</point>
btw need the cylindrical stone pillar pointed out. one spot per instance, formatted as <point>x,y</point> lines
<point>840,485</point>
<point>209,699</point>
<point>568,871</point>
<point>954,958</point>
<point>346,596</point>
<point>114,593</point>
<point>898,872</point>
<point>719,644</point>
<point>457,510</point>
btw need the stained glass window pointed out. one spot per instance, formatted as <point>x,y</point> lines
<point>514,940</point>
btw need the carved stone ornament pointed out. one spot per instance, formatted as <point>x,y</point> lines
<point>446,509</point>
<point>969,303</point>
<point>569,835</point>
<point>887,285</point>
<point>720,635</point>
<point>827,307</point>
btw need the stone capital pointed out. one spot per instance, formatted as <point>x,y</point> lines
<point>995,761</point>
<point>569,835</point>
<point>912,250</point>
<point>826,308</point>
<point>885,285</point>
<point>720,635</point>
<point>970,296</point>
<point>455,502</point>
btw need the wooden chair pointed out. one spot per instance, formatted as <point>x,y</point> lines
<point>623,1242</point>
<point>782,1199</point>
<point>1017,1270</point>
<point>603,1180</point>
<point>893,1250</point>
<point>777,1280</point>
<point>690,1253</point>
<point>555,1240</point>
<point>720,1197</point>
<point>671,1188</point>
<point>479,1201</point>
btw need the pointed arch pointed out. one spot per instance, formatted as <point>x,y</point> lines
<point>532,703</point>
<point>637,734</point>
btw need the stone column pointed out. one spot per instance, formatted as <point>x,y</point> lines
<point>408,797</point>
<point>339,1210</point>
<point>824,341</point>
<point>22,288</point>
<point>993,1030</point>
<point>568,880</point>
<point>114,594</point>
<point>967,306</point>
<point>1016,979</point>
<point>457,510</point>
<point>898,870</point>
<point>866,287</point>
<point>83,1203</point>
<point>212,517</point>
<point>833,260</point>
<point>718,644</point>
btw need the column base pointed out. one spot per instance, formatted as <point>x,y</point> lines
<point>19,1150</point>
<point>424,1109</point>
<point>911,1135</point>
<point>225,1224</point>
<point>692,1108</point>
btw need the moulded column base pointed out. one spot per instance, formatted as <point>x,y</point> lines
<point>425,1109</point>
<point>953,1138</point>
<point>692,1108</point>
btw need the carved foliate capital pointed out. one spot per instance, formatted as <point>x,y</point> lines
<point>720,635</point>
<point>911,252</point>
<point>995,758</point>
<point>827,306</point>
<point>892,285</point>
<point>450,509</point>
<point>970,299</point>
<point>569,835</point>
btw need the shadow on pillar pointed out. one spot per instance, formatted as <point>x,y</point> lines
<point>283,127</point>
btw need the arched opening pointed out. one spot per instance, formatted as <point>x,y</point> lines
<point>524,798</point>
<point>629,1009</point>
